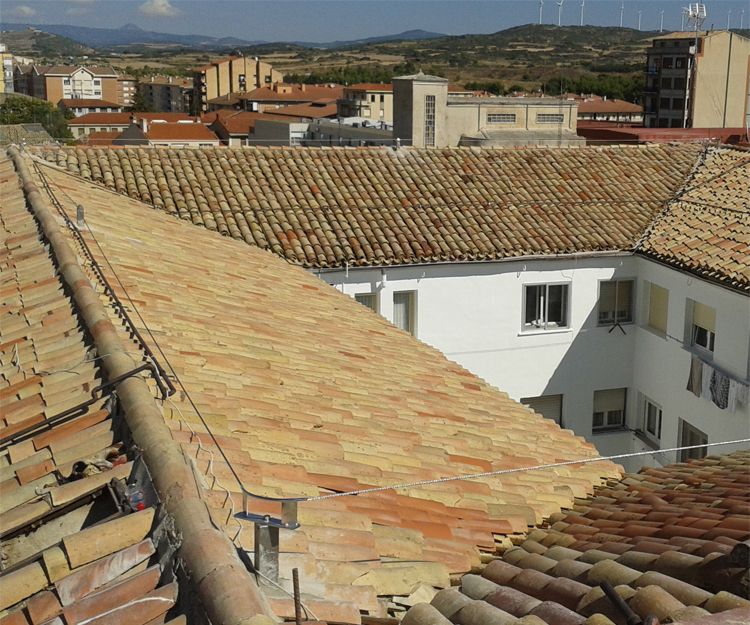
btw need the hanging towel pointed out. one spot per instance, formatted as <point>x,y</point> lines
<point>719,389</point>
<point>706,372</point>
<point>695,377</point>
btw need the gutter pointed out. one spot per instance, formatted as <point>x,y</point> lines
<point>225,589</point>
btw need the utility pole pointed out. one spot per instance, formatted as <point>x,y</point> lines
<point>661,21</point>
<point>639,19</point>
<point>583,4</point>
<point>622,11</point>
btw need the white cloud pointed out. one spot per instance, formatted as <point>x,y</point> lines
<point>158,8</point>
<point>22,10</point>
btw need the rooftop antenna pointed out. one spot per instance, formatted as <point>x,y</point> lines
<point>583,4</point>
<point>661,21</point>
<point>541,8</point>
<point>559,12</point>
<point>684,14</point>
<point>622,11</point>
<point>696,15</point>
<point>639,19</point>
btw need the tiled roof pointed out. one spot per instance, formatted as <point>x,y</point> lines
<point>237,122</point>
<point>706,229</point>
<point>598,105</point>
<point>87,102</point>
<point>66,549</point>
<point>124,118</point>
<point>293,93</point>
<point>370,86</point>
<point>664,539</point>
<point>102,137</point>
<point>179,132</point>
<point>310,393</point>
<point>31,134</point>
<point>323,207</point>
<point>310,110</point>
<point>64,70</point>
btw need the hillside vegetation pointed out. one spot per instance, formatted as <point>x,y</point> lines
<point>43,46</point>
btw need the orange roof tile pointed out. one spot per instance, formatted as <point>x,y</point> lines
<point>295,93</point>
<point>664,538</point>
<point>608,106</point>
<point>179,132</point>
<point>87,102</point>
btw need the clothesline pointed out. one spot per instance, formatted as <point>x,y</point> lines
<point>712,384</point>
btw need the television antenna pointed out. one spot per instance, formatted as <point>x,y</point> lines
<point>622,11</point>
<point>696,15</point>
<point>640,13</point>
<point>541,8</point>
<point>583,4</point>
<point>559,11</point>
<point>661,21</point>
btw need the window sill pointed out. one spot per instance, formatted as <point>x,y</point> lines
<point>655,332</point>
<point>646,439</point>
<point>538,332</point>
<point>619,429</point>
<point>612,325</point>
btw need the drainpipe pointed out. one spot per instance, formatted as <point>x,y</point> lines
<point>726,83</point>
<point>225,589</point>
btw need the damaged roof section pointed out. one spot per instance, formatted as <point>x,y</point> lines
<point>77,518</point>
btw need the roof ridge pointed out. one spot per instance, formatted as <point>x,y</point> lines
<point>209,557</point>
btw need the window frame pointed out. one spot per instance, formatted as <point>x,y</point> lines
<point>705,351</point>
<point>412,316</point>
<point>606,425</point>
<point>526,401</point>
<point>633,291</point>
<point>654,436</point>
<point>375,300</point>
<point>430,120</point>
<point>501,118</point>
<point>546,118</point>
<point>685,430</point>
<point>532,329</point>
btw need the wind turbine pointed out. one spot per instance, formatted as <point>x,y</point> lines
<point>541,8</point>
<point>661,21</point>
<point>639,19</point>
<point>559,11</point>
<point>742,17</point>
<point>622,12</point>
<point>729,17</point>
<point>583,4</point>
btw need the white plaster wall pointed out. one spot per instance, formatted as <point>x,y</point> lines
<point>473,313</point>
<point>662,363</point>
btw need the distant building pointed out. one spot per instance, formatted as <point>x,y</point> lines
<point>109,122</point>
<point>234,74</point>
<point>83,106</point>
<point>371,101</point>
<point>24,134</point>
<point>602,109</point>
<point>698,81</point>
<point>127,87</point>
<point>179,135</point>
<point>6,59</point>
<point>345,131</point>
<point>426,115</point>
<point>167,93</point>
<point>279,95</point>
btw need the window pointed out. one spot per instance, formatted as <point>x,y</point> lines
<point>689,436</point>
<point>546,306</point>
<point>501,118</point>
<point>66,81</point>
<point>668,62</point>
<point>372,98</point>
<point>679,83</point>
<point>609,409</point>
<point>664,103</point>
<point>370,300</point>
<point>680,62</point>
<point>615,302</point>
<point>429,121</point>
<point>405,311</point>
<point>549,118</point>
<point>382,98</point>
<point>666,83</point>
<point>658,305</point>
<point>549,406</point>
<point>678,104</point>
<point>703,327</point>
<point>651,419</point>
<point>97,82</point>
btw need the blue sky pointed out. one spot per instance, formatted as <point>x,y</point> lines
<point>314,20</point>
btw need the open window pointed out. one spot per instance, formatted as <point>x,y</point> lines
<point>651,420</point>
<point>545,307</point>
<point>703,327</point>
<point>689,436</point>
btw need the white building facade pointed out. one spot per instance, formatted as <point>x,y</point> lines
<point>579,339</point>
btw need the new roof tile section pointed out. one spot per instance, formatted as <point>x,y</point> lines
<point>706,230</point>
<point>310,393</point>
<point>66,549</point>
<point>327,207</point>
<point>666,539</point>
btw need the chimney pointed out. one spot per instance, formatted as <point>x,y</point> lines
<point>144,125</point>
<point>169,80</point>
<point>302,87</point>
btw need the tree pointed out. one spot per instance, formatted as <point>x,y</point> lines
<point>16,110</point>
<point>139,102</point>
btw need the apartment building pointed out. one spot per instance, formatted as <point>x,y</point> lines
<point>6,60</point>
<point>698,80</point>
<point>83,106</point>
<point>84,125</point>
<point>58,82</point>
<point>234,74</point>
<point>371,101</point>
<point>281,95</point>
<point>167,93</point>
<point>427,115</point>
<point>126,88</point>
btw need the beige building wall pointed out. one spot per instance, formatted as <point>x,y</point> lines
<point>223,78</point>
<point>410,110</point>
<point>368,104</point>
<point>53,90</point>
<point>721,82</point>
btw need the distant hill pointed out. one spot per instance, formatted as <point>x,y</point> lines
<point>38,44</point>
<point>130,34</point>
